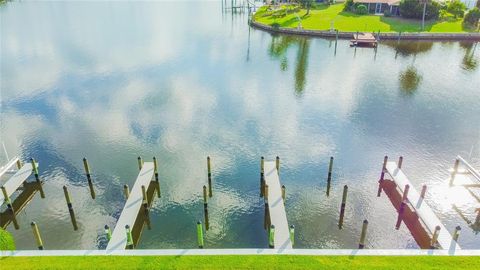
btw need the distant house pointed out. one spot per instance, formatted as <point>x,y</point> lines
<point>380,6</point>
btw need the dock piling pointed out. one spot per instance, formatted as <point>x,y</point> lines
<point>382,176</point>
<point>140,163</point>
<point>36,233</point>
<point>363,235</point>
<point>271,236</point>
<point>266,217</point>
<point>209,177</point>
<point>89,177</point>
<point>456,233</point>
<point>405,192</point>
<point>336,41</point>
<point>342,207</point>
<point>19,164</point>
<point>283,193</point>
<point>424,191</point>
<point>401,210</point>
<point>14,218</point>
<point>199,234</point>
<point>126,191</point>
<point>70,208</point>
<point>207,223</point>
<point>265,195</point>
<point>205,200</point>
<point>128,231</point>
<point>435,237</point>
<point>108,232</point>
<point>454,172</point>
<point>477,219</point>
<point>37,177</point>
<point>277,164</point>
<point>292,234</point>
<point>262,176</point>
<point>144,195</point>
<point>157,180</point>
<point>5,195</point>
<point>329,177</point>
<point>400,161</point>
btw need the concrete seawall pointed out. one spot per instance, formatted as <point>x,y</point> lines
<point>384,36</point>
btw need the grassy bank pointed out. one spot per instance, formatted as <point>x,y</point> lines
<point>241,262</point>
<point>321,17</point>
<point>6,240</point>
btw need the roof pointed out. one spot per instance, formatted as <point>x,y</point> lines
<point>388,2</point>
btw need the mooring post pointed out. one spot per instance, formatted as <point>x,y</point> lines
<point>14,218</point>
<point>456,233</point>
<point>205,200</point>
<point>400,161</point>
<point>207,223</point>
<point>5,195</point>
<point>361,244</point>
<point>126,191</point>
<point>70,208</point>
<point>199,234</point>
<point>129,237</point>
<point>342,207</point>
<point>36,233</point>
<point>435,237</point>
<point>144,195</point>
<point>283,193</point>
<point>424,191</point>
<point>382,176</point>
<point>292,234</point>
<point>405,192</point>
<point>262,176</point>
<point>400,214</point>
<point>477,219</point>
<point>89,177</point>
<point>271,236</point>
<point>266,217</point>
<point>454,172</point>
<point>277,164</point>
<point>266,193</point>
<point>329,177</point>
<point>19,164</point>
<point>37,177</point>
<point>108,232</point>
<point>157,180</point>
<point>209,177</point>
<point>140,163</point>
<point>146,214</point>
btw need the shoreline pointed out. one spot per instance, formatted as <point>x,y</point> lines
<point>383,36</point>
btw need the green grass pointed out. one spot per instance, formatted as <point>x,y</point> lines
<point>241,262</point>
<point>6,240</point>
<point>321,18</point>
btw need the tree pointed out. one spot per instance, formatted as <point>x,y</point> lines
<point>415,9</point>
<point>307,4</point>
<point>472,17</point>
<point>456,8</point>
<point>478,4</point>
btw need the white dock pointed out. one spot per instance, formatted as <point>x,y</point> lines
<point>131,209</point>
<point>423,211</point>
<point>465,173</point>
<point>278,216</point>
<point>16,180</point>
<point>6,168</point>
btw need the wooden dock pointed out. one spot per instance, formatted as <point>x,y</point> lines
<point>278,216</point>
<point>364,39</point>
<point>132,208</point>
<point>14,182</point>
<point>422,210</point>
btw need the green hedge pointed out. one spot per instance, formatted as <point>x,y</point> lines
<point>6,240</point>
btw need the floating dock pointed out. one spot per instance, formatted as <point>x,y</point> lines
<point>422,210</point>
<point>131,211</point>
<point>276,207</point>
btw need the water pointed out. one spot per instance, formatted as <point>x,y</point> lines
<point>111,81</point>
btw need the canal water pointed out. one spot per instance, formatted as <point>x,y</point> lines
<point>181,80</point>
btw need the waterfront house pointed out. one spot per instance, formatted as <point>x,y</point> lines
<point>380,6</point>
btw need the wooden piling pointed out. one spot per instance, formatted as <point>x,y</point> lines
<point>265,195</point>
<point>454,172</point>
<point>128,231</point>
<point>477,219</point>
<point>283,193</point>
<point>207,223</point>
<point>144,195</point>
<point>262,176</point>
<point>36,233</point>
<point>424,191</point>
<point>140,163</point>
<point>205,200</point>
<point>456,233</point>
<point>277,164</point>
<point>342,207</point>
<point>108,232</point>
<point>329,177</point>
<point>266,217</point>
<point>292,234</point>
<point>19,164</point>
<point>157,179</point>
<point>405,192</point>
<point>400,161</point>
<point>401,210</point>
<point>126,191</point>
<point>37,177</point>
<point>199,234</point>
<point>5,195</point>
<point>89,178</point>
<point>382,176</point>
<point>146,214</point>
<point>435,237</point>
<point>271,236</point>
<point>13,215</point>
<point>70,208</point>
<point>363,235</point>
<point>209,177</point>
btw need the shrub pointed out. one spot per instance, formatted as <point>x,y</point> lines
<point>6,240</point>
<point>361,9</point>
<point>472,17</point>
<point>275,25</point>
<point>348,6</point>
<point>414,9</point>
<point>456,8</point>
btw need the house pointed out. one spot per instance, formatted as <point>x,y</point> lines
<point>380,6</point>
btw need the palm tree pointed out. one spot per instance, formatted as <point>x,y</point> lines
<point>425,2</point>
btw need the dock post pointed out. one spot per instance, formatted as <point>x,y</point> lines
<point>157,180</point>
<point>266,217</point>
<point>262,176</point>
<point>19,164</point>
<point>271,236</point>
<point>477,219</point>
<point>209,177</point>
<point>342,207</point>
<point>424,191</point>
<point>140,163</point>
<point>126,191</point>
<point>400,214</point>
<point>144,195</point>
<point>108,232</point>
<point>207,223</point>
<point>361,244</point>
<point>14,218</point>
<point>329,177</point>
<point>5,195</point>
<point>70,208</point>
<point>265,195</point>
<point>405,192</point>
<point>378,35</point>
<point>399,34</point>
<point>435,237</point>
<point>454,172</point>
<point>37,178</point>
<point>292,234</point>
<point>382,176</point>
<point>456,233</point>
<point>277,164</point>
<point>199,234</point>
<point>89,177</point>
<point>36,233</point>
<point>400,161</point>
<point>147,214</point>
<point>283,193</point>
<point>205,200</point>
<point>129,237</point>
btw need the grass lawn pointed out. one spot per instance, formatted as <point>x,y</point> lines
<point>321,18</point>
<point>241,262</point>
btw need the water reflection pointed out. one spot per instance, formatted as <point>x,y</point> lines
<point>469,61</point>
<point>410,80</point>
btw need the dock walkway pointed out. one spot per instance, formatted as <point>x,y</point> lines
<point>424,212</point>
<point>278,216</point>
<point>131,209</point>
<point>16,181</point>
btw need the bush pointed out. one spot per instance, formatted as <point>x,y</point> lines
<point>414,9</point>
<point>6,240</point>
<point>456,8</point>
<point>348,6</point>
<point>472,17</point>
<point>275,25</point>
<point>361,10</point>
